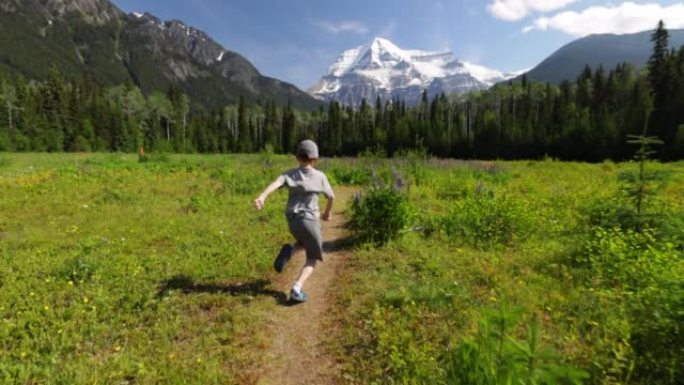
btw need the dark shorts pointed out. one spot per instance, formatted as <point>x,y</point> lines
<point>307,232</point>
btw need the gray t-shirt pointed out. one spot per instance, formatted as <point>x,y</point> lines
<point>304,185</point>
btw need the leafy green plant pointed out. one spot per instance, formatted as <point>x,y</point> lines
<point>646,273</point>
<point>493,356</point>
<point>485,220</point>
<point>414,163</point>
<point>379,214</point>
<point>403,355</point>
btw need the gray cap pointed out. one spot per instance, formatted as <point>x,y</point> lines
<point>308,149</point>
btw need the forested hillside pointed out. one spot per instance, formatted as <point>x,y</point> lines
<point>96,38</point>
<point>586,119</point>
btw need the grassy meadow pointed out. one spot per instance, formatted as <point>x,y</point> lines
<point>97,253</point>
<point>118,271</point>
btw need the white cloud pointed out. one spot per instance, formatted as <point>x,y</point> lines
<point>342,26</point>
<point>513,10</point>
<point>624,18</point>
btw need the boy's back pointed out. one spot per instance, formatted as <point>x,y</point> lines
<point>304,185</point>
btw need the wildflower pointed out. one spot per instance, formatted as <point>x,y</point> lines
<point>398,181</point>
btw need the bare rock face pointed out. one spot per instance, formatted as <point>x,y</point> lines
<point>94,11</point>
<point>194,53</point>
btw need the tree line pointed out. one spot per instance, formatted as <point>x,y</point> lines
<point>586,119</point>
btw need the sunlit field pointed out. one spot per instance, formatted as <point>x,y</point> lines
<point>116,270</point>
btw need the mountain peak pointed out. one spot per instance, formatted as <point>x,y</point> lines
<point>381,68</point>
<point>378,53</point>
<point>384,50</point>
<point>380,43</point>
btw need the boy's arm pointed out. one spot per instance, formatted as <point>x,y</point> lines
<point>328,191</point>
<point>261,199</point>
<point>328,208</point>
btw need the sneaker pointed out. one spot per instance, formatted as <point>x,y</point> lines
<point>299,296</point>
<point>282,258</point>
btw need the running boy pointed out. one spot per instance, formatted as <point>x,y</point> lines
<point>304,184</point>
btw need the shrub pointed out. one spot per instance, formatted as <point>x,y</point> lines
<point>485,220</point>
<point>379,215</point>
<point>608,214</point>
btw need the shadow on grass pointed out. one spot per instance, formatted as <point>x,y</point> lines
<point>256,288</point>
<point>340,244</point>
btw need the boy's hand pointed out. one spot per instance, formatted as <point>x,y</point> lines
<point>259,203</point>
<point>326,216</point>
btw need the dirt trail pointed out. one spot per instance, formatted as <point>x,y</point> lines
<point>300,334</point>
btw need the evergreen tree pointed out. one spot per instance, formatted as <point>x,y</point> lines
<point>288,128</point>
<point>244,137</point>
<point>662,122</point>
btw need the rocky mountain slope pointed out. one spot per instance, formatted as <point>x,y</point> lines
<point>95,37</point>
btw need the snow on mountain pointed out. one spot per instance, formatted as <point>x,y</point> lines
<point>380,68</point>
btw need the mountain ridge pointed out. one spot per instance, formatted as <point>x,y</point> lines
<point>608,50</point>
<point>95,37</point>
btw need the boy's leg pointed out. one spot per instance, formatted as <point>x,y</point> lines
<point>308,233</point>
<point>307,269</point>
<point>286,252</point>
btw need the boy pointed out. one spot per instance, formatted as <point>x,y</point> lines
<point>302,212</point>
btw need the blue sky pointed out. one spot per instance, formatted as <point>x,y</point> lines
<point>297,40</point>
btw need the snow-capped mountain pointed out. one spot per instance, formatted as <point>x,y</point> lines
<point>380,68</point>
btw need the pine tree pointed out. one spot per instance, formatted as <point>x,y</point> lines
<point>288,128</point>
<point>662,118</point>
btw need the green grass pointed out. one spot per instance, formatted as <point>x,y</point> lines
<point>514,239</point>
<point>97,253</point>
<point>117,271</point>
